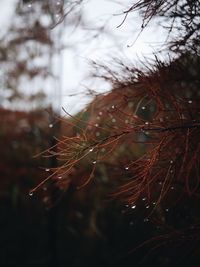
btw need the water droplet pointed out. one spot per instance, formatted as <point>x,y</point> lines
<point>91,149</point>
<point>146,122</point>
<point>29,5</point>
<point>47,170</point>
<point>160,183</point>
<point>154,203</point>
<point>127,205</point>
<point>113,120</point>
<point>100,113</point>
<point>171,161</point>
<point>31,193</point>
<point>143,107</point>
<point>50,125</point>
<point>58,3</point>
<point>96,124</point>
<point>147,207</point>
<point>190,101</point>
<point>126,168</point>
<point>167,210</point>
<point>94,162</point>
<point>59,177</point>
<point>133,207</point>
<point>113,107</point>
<point>172,187</point>
<point>144,198</point>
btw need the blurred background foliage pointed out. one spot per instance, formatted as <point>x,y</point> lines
<point>60,225</point>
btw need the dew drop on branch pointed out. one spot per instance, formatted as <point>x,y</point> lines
<point>50,125</point>
<point>143,107</point>
<point>30,193</point>
<point>133,207</point>
<point>190,101</point>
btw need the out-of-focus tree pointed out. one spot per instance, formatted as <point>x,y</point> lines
<point>24,54</point>
<point>29,52</point>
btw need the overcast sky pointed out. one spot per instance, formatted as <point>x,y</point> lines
<point>75,62</point>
